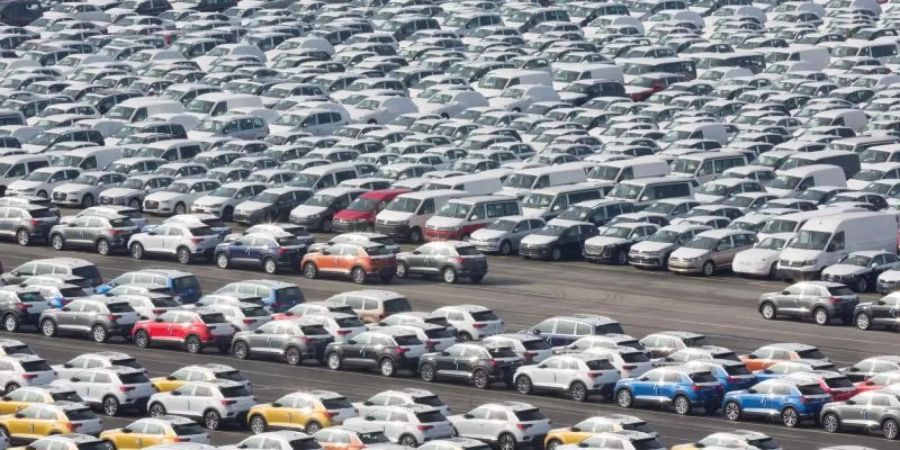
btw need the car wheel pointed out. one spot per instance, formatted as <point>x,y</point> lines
<point>426,373</point>
<point>387,367</point>
<point>134,204</point>
<point>507,441</point>
<point>258,424</point>
<point>553,444</point>
<point>310,270</point>
<point>110,405</point>
<point>578,391</point>
<point>821,317</point>
<point>87,201</point>
<point>768,311</point>
<point>402,270</point>
<point>682,405</point>
<point>11,323</point>
<point>790,418</point>
<point>183,255</point>
<point>212,420</point>
<point>524,385</point>
<point>732,411</point>
<point>228,214</point>
<point>863,321</point>
<point>621,258</point>
<point>137,250</point>
<point>269,266</point>
<point>449,275</point>
<point>891,429</point>
<point>192,344</point>
<point>708,269</point>
<point>480,379</point>
<point>180,209</point>
<point>505,248</point>
<point>103,247</point>
<point>222,261</point>
<point>42,194</point>
<point>408,441</point>
<point>11,387</point>
<point>57,242</point>
<point>624,398</point>
<point>157,410</point>
<point>142,339</point>
<point>240,350</point>
<point>326,226</point>
<point>862,285</point>
<point>293,356</point>
<point>48,328</point>
<point>99,334</point>
<point>312,427</point>
<point>773,271</point>
<point>831,423</point>
<point>333,361</point>
<point>556,254</point>
<point>358,275</point>
<point>465,337</point>
<point>23,238</point>
<point>415,235</point>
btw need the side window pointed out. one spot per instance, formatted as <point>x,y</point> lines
<point>478,213</point>
<point>427,207</point>
<point>837,242</point>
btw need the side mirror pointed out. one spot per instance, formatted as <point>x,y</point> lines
<point>535,331</point>
<point>326,252</point>
<point>880,302</point>
<point>468,416</point>
<point>276,405</point>
<point>368,403</point>
<point>870,383</point>
<point>176,393</point>
<point>370,418</point>
<point>575,429</point>
<point>751,391</point>
<point>71,225</point>
<point>257,331</point>
<point>351,342</point>
<point>751,356</point>
<point>126,430</point>
<point>6,398</point>
<point>66,309</point>
<point>67,366</point>
<point>75,379</point>
<point>785,292</point>
<point>850,402</point>
<point>854,369</point>
<point>170,378</point>
<point>237,243</point>
<point>158,320</point>
<point>643,379</point>
<point>20,416</point>
<point>445,354</point>
<point>151,233</point>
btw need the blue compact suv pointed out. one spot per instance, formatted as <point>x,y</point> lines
<point>278,296</point>
<point>791,400</point>
<point>682,387</point>
<point>183,285</point>
<point>270,252</point>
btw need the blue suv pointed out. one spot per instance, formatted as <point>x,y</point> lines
<point>682,387</point>
<point>183,285</point>
<point>732,374</point>
<point>792,400</point>
<point>270,252</point>
<point>564,330</point>
<point>278,296</point>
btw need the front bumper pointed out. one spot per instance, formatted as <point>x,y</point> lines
<point>310,222</point>
<point>648,260</point>
<point>600,254</point>
<point>214,210</point>
<point>65,198</point>
<point>535,252</point>
<point>491,246</point>
<point>394,231</point>
<point>682,266</point>
<point>342,226</point>
<point>886,287</point>
<point>442,235</point>
<point>798,274</point>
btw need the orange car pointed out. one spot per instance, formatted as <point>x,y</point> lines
<point>359,262</point>
<point>767,355</point>
<point>353,437</point>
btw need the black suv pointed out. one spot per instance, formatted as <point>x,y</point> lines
<point>20,306</point>
<point>473,361</point>
<point>386,348</point>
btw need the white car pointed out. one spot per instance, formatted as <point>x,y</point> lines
<point>209,401</point>
<point>532,349</point>
<point>42,182</point>
<point>761,260</point>
<point>609,340</point>
<point>95,360</point>
<point>577,374</point>
<point>178,197</point>
<point>437,338</point>
<point>111,388</point>
<point>625,440</point>
<point>510,424</point>
<point>244,316</point>
<point>408,425</point>
<point>340,325</point>
<point>133,191</point>
<point>276,440</point>
<point>380,109</point>
<point>408,397</point>
<point>629,361</point>
<point>473,322</point>
<point>85,190</point>
<point>24,370</point>
<point>183,242</point>
<point>222,201</point>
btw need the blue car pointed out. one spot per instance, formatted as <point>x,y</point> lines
<point>791,400</point>
<point>733,375</point>
<point>278,296</point>
<point>184,285</point>
<point>269,252</point>
<point>682,387</point>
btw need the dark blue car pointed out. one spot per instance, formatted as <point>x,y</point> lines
<point>682,387</point>
<point>183,285</point>
<point>733,375</point>
<point>269,252</point>
<point>791,400</point>
<point>564,330</point>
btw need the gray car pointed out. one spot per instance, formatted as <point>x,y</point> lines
<point>102,234</point>
<point>449,259</point>
<point>819,300</point>
<point>27,223</point>
<point>653,253</point>
<point>873,410</point>
<point>504,234</point>
<point>97,316</point>
<point>292,340</point>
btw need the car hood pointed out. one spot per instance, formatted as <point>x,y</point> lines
<point>163,196</point>
<point>120,192</point>
<point>437,221</point>
<point>539,239</point>
<point>73,187</point>
<point>707,198</point>
<point>485,234</point>
<point>602,241</point>
<point>211,201</point>
<point>756,254</point>
<point>349,214</point>
<point>569,96</point>
<point>843,270</point>
<point>252,205</point>
<point>25,184</point>
<point>651,247</point>
<point>890,275</point>
<point>689,253</point>
<point>796,254</point>
<point>306,210</point>
<point>393,216</point>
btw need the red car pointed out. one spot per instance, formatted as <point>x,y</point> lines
<point>835,383</point>
<point>360,215</point>
<point>879,380</point>
<point>192,330</point>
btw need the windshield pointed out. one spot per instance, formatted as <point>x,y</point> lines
<point>38,176</point>
<point>619,232</point>
<point>773,226</point>
<point>180,188</point>
<point>306,180</point>
<point>701,242</point>
<point>223,191</point>
<point>551,230</point>
<point>364,205</point>
<point>785,182</point>
<point>857,260</point>
<point>403,204</point>
<point>502,225</point>
<point>607,173</point>
<point>455,210</point>
<point>772,244</point>
<point>320,200</point>
<point>533,200</point>
<point>811,240</point>
<point>665,236</point>
<point>626,191</point>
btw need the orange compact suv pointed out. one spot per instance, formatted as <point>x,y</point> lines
<point>359,262</point>
<point>768,355</point>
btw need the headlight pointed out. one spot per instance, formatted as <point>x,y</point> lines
<point>810,262</point>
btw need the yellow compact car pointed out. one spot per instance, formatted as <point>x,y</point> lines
<point>39,420</point>
<point>22,397</point>
<point>309,411</point>
<point>594,425</point>
<point>71,441</point>
<point>154,431</point>
<point>200,372</point>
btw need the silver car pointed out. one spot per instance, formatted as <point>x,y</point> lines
<point>112,388</point>
<point>185,243</point>
<point>408,425</point>
<point>209,401</point>
<point>504,234</point>
<point>24,370</point>
<point>510,424</point>
<point>710,251</point>
<point>820,300</point>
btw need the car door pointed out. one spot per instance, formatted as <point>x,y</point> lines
<point>447,362</point>
<point>564,333</point>
<point>354,350</point>
<point>179,400</point>
<point>644,388</point>
<point>788,299</point>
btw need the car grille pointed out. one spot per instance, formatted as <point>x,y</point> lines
<point>151,204</point>
<point>786,263</point>
<point>59,196</point>
<point>593,249</point>
<point>105,200</point>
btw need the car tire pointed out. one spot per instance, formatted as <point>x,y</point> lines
<point>156,410</point>
<point>110,405</point>
<point>402,270</point>
<point>891,429</point>
<point>180,209</point>
<point>768,311</point>
<point>312,427</point>
<point>48,328</point>
<point>708,269</point>
<point>682,405</point>
<point>222,261</point>
<point>310,270</point>
<point>192,344</point>
<point>387,367</point>
<point>258,424</point>
<point>87,201</point>
<point>862,285</point>
<point>552,444</point>
<point>732,411</point>
<point>333,361</point>
<point>415,235</point>
<point>524,385</point>
<point>505,248</point>
<point>137,250</point>
<point>480,379</point>
<point>212,420</point>
<point>183,255</point>
<point>408,441</point>
<point>240,350</point>
<point>11,323</point>
<point>57,242</point>
<point>293,356</point>
<point>555,254</point>
<point>863,321</point>
<point>790,417</point>
<point>103,247</point>
<point>449,275</point>
<point>507,441</point>
<point>624,398</point>
<point>99,334</point>
<point>831,423</point>
<point>427,373</point>
<point>10,387</point>
<point>42,194</point>
<point>465,337</point>
<point>358,275</point>
<point>134,204</point>
<point>773,271</point>
<point>270,266</point>
<point>821,316</point>
<point>578,391</point>
<point>142,339</point>
<point>23,238</point>
<point>621,258</point>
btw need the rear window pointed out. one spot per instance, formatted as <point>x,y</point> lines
<point>87,272</point>
<point>72,292</point>
<point>812,389</point>
<point>41,213</point>
<point>430,417</point>
<point>121,223</point>
<point>442,321</point>
<point>31,297</point>
<point>703,377</point>
<point>256,311</point>
<point>235,391</point>
<point>133,378</point>
<point>635,344</point>
<point>502,352</point>
<point>68,396</point>
<point>730,356</point>
<point>232,375</point>
<point>537,344</point>
<point>375,437</point>
<point>841,290</point>
<point>530,415</point>
<point>439,333</point>
<point>182,283</point>
<point>429,400</point>
<point>80,414</point>
<point>467,251</point>
<point>698,341</point>
<point>36,366</point>
<point>288,295</point>
<point>129,362</point>
<point>120,307</point>
<point>599,364</point>
<point>737,369</point>
<point>95,445</point>
<point>484,316</point>
<point>165,302</point>
<point>812,353</point>
<point>838,382</point>
<point>305,444</point>
<point>21,349</point>
<point>312,330</point>
<point>188,429</point>
<point>349,322</point>
<point>213,318</point>
<point>396,305</point>
<point>643,427</point>
<point>407,340</point>
<point>288,241</point>
<point>610,328</point>
<point>336,403</point>
<point>764,444</point>
<point>647,444</point>
<point>344,309</point>
<point>634,357</point>
<point>202,231</point>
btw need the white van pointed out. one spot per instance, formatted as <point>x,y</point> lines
<point>15,167</point>
<point>824,241</point>
<point>791,223</point>
<point>709,131</point>
<point>882,48</point>
<point>705,166</point>
<point>482,183</point>
<point>805,177</point>
<point>326,175</point>
<point>218,103</point>
<point>565,73</point>
<point>140,108</point>
<point>550,202</point>
<point>612,172</point>
<point>88,158</point>
<point>495,81</point>
<point>816,57</point>
<point>460,217</point>
<point>646,191</point>
<point>854,119</point>
<point>172,149</point>
<point>405,216</point>
<point>521,181</point>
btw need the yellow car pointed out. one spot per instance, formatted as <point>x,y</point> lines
<point>24,396</point>
<point>594,425</point>
<point>154,431</point>
<point>737,439</point>
<point>71,441</point>
<point>39,420</point>
<point>200,372</point>
<point>308,411</point>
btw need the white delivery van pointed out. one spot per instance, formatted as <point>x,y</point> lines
<point>482,183</point>
<point>805,177</point>
<point>612,172</point>
<point>565,73</point>
<point>854,119</point>
<point>326,175</point>
<point>88,158</point>
<point>405,216</point>
<point>495,81</point>
<point>460,217</point>
<point>646,191</point>
<point>140,108</point>
<point>791,223</point>
<point>521,181</point>
<point>824,241</point>
<point>705,166</point>
<point>550,202</point>
<point>218,103</point>
<point>15,167</point>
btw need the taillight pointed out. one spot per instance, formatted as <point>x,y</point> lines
<point>344,332</point>
<point>282,251</point>
<point>804,399</point>
<point>228,402</point>
<point>115,232</point>
<point>494,363</point>
<point>695,387</point>
<point>29,376</point>
<point>523,426</point>
<point>595,374</point>
<point>248,321</point>
<point>158,311</point>
<point>35,222</point>
<point>429,344</point>
<point>732,379</point>
<point>73,426</point>
<point>126,388</point>
<point>196,240</point>
<point>479,325</point>
<point>457,260</point>
<point>628,367</point>
<point>304,340</point>
<point>424,427</point>
<point>23,306</point>
<point>113,317</point>
<point>834,300</point>
<point>528,356</point>
<point>178,439</point>
<point>401,350</point>
<point>329,414</point>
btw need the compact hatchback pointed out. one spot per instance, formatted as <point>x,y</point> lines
<point>821,301</point>
<point>449,259</point>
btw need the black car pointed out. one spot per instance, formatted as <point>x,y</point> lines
<point>561,239</point>
<point>473,361</point>
<point>20,306</point>
<point>271,205</point>
<point>386,348</point>
<point>884,312</point>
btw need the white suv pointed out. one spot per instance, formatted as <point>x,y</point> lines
<point>577,374</point>
<point>222,201</point>
<point>210,401</point>
<point>472,322</point>
<point>24,370</point>
<point>340,325</point>
<point>183,242</point>
<point>408,426</point>
<point>532,349</point>
<point>630,361</point>
<point>112,388</point>
<point>178,197</point>
<point>95,360</point>
<point>276,440</point>
<point>403,397</point>
<point>509,424</point>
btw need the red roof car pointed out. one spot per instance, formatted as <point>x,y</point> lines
<point>193,330</point>
<point>360,215</point>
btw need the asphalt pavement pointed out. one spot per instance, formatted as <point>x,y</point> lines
<point>522,293</point>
